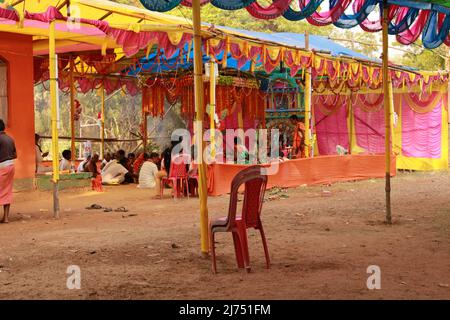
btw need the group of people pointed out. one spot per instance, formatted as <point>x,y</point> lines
<point>118,168</point>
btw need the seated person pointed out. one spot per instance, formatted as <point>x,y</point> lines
<point>113,173</point>
<point>106,159</point>
<point>123,160</point>
<point>137,165</point>
<point>82,165</point>
<point>149,176</point>
<point>166,156</point>
<point>92,166</point>
<point>64,164</point>
<point>120,157</point>
<point>40,168</point>
<point>131,159</point>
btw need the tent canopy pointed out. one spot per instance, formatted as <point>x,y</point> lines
<point>316,43</point>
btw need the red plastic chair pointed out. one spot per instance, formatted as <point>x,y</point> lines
<point>194,176</point>
<point>255,187</point>
<point>178,175</point>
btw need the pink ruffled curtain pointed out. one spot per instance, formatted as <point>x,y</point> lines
<point>331,127</point>
<point>421,132</point>
<point>369,129</point>
<point>9,14</point>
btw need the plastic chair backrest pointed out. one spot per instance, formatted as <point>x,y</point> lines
<point>255,187</point>
<point>178,166</point>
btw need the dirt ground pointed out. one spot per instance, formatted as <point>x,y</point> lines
<point>321,240</point>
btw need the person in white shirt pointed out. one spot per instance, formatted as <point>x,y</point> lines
<point>83,164</point>
<point>149,176</point>
<point>64,164</point>
<point>113,173</point>
<point>106,160</point>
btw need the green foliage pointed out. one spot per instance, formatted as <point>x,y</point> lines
<point>424,59</point>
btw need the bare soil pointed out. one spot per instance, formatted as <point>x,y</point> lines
<point>321,240</point>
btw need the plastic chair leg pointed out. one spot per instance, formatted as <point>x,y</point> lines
<point>244,245</point>
<point>187,186</point>
<point>266,249</point>
<point>212,249</point>
<point>175,189</point>
<point>238,250</point>
<point>161,188</point>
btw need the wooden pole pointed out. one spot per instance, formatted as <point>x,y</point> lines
<point>199,107</point>
<point>387,109</point>
<point>54,115</point>
<point>72,112</point>
<point>308,85</point>
<point>145,129</point>
<point>102,133</point>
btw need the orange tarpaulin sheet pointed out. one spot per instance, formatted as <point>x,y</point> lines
<point>294,173</point>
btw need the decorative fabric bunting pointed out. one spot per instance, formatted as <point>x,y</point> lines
<point>408,19</point>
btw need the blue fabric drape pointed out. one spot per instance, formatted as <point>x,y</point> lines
<point>431,36</point>
<point>350,21</point>
<point>305,12</point>
<point>232,4</point>
<point>160,5</point>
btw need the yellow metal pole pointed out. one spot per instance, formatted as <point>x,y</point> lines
<point>54,115</point>
<point>72,112</point>
<point>102,133</point>
<point>387,109</point>
<point>308,85</point>
<point>199,107</point>
<point>212,106</point>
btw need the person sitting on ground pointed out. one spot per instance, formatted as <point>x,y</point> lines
<point>137,165</point>
<point>64,164</point>
<point>131,159</point>
<point>130,165</point>
<point>123,160</point>
<point>40,168</point>
<point>106,160</point>
<point>82,165</point>
<point>149,176</point>
<point>113,173</point>
<point>120,157</point>
<point>92,166</point>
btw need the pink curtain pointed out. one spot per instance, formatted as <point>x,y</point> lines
<point>369,129</point>
<point>421,132</point>
<point>331,127</point>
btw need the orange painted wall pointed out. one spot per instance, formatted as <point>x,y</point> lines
<point>17,52</point>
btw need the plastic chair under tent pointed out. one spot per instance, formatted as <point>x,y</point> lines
<point>255,186</point>
<point>194,172</point>
<point>178,176</point>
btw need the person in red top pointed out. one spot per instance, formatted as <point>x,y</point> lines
<point>298,141</point>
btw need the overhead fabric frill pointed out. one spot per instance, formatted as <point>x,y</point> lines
<point>408,19</point>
